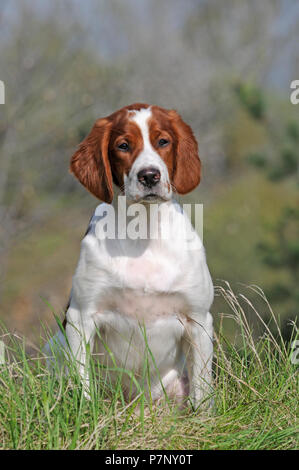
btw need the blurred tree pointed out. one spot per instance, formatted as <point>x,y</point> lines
<point>65,63</point>
<point>53,87</point>
<point>283,253</point>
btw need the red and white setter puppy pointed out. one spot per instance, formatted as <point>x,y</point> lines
<point>147,294</point>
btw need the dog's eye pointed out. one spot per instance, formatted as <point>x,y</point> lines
<point>163,142</point>
<point>124,147</point>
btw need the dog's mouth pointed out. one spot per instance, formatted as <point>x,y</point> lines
<point>151,197</point>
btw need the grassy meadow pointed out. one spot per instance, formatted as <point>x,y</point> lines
<point>255,398</point>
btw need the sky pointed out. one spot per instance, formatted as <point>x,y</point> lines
<point>102,25</point>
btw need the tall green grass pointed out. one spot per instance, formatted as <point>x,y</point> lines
<point>255,397</point>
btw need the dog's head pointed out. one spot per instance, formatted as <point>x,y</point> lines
<point>147,151</point>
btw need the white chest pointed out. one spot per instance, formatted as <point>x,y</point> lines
<point>144,279</point>
<point>146,288</point>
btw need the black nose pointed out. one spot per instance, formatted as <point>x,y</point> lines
<point>149,177</point>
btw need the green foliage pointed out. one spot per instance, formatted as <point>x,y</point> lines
<point>252,99</point>
<point>283,253</point>
<point>257,159</point>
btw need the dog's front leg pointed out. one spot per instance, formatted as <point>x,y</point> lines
<point>198,350</point>
<point>80,332</point>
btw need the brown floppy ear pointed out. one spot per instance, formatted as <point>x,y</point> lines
<point>90,163</point>
<point>187,163</point>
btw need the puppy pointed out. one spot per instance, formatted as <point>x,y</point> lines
<point>143,287</point>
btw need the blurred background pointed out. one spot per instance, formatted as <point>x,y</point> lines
<point>226,67</point>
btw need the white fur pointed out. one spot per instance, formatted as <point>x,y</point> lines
<point>145,295</point>
<point>148,157</point>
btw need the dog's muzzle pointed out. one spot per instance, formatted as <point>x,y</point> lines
<point>149,177</point>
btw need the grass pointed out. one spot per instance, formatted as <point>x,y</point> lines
<point>255,396</point>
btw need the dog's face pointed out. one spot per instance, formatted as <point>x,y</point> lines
<point>147,151</point>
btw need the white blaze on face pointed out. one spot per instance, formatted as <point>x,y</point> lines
<point>147,158</point>
<point>141,118</point>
